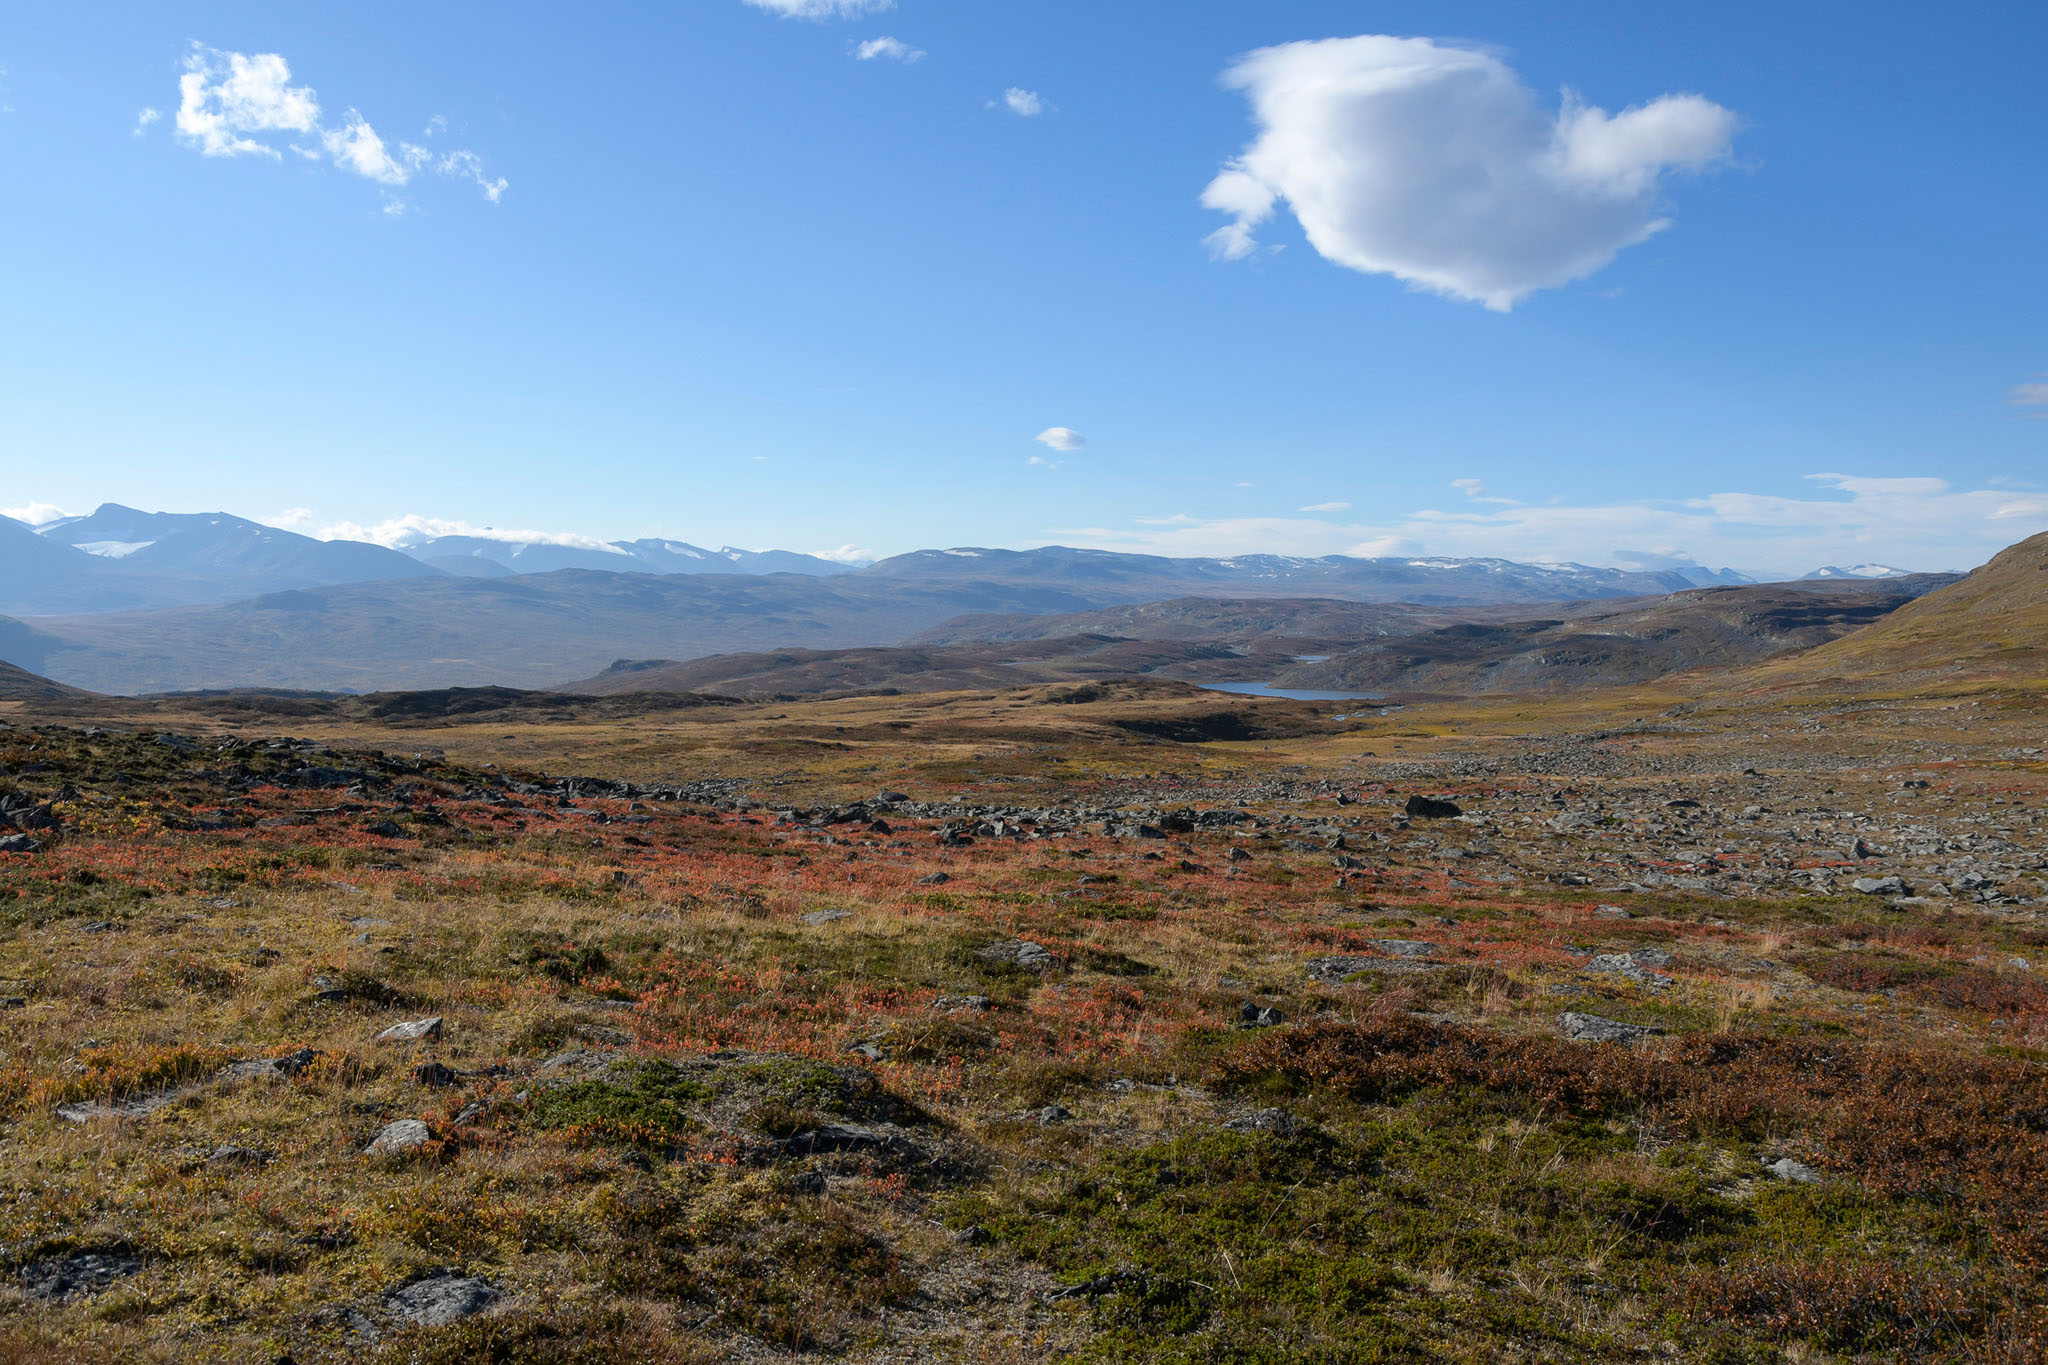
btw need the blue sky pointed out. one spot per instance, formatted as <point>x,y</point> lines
<point>740,285</point>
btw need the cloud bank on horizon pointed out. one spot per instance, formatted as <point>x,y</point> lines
<point>1921,524</point>
<point>1433,163</point>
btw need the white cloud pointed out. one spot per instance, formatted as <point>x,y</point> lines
<point>822,9</point>
<point>1919,523</point>
<point>145,118</point>
<point>845,554</point>
<point>233,104</point>
<point>1023,103</point>
<point>1040,462</point>
<point>34,513</point>
<point>1326,507</point>
<point>399,532</point>
<point>1476,490</point>
<point>2032,394</point>
<point>292,518</point>
<point>225,95</point>
<point>895,49</point>
<point>1433,163</point>
<point>465,165</point>
<point>356,147</point>
<point>1061,438</point>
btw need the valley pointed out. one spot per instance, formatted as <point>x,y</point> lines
<point>1097,1019</point>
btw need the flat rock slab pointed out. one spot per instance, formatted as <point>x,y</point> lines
<point>1021,952</point>
<point>269,1068</point>
<point>412,1031</point>
<point>1278,1122</point>
<point>1591,1028</point>
<point>1785,1168</point>
<point>441,1299</point>
<point>55,1279</point>
<point>1334,971</point>
<point>86,1111</point>
<point>818,917</point>
<point>141,1106</point>
<point>878,1138</point>
<point>400,1136</point>
<point>1628,968</point>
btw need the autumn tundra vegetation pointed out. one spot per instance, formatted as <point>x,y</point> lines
<point>1106,1021</point>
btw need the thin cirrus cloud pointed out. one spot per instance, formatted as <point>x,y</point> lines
<point>1433,163</point>
<point>2031,396</point>
<point>235,104</point>
<point>822,9</point>
<point>887,49</point>
<point>1062,439</point>
<point>1326,507</point>
<point>1921,523</point>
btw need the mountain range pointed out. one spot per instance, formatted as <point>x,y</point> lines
<point>119,559</point>
<point>488,557</point>
<point>130,601</point>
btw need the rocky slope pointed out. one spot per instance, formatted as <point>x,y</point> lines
<point>1993,623</point>
<point>1705,628</point>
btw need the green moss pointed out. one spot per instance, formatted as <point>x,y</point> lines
<point>645,1102</point>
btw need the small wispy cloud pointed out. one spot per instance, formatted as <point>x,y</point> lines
<point>822,9</point>
<point>887,49</point>
<point>1062,439</point>
<point>146,117</point>
<point>1326,507</point>
<point>2031,395</point>
<point>1040,462</point>
<point>1475,489</point>
<point>234,104</point>
<point>1023,103</point>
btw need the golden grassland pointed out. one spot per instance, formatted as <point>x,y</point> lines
<point>683,1116</point>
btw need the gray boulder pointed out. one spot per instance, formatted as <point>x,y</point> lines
<point>412,1031</point>
<point>1591,1028</point>
<point>399,1137</point>
<point>1021,952</point>
<point>441,1299</point>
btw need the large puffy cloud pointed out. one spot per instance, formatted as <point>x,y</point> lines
<point>225,96</point>
<point>1914,523</point>
<point>236,104</point>
<point>1435,164</point>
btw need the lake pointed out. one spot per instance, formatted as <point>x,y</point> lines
<point>1290,693</point>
